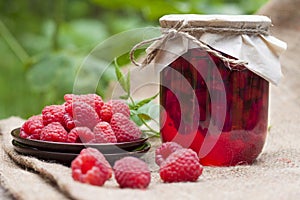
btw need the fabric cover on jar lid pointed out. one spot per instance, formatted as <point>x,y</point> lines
<point>244,37</point>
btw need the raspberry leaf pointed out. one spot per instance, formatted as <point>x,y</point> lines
<point>134,117</point>
<point>142,102</point>
<point>144,116</point>
<point>128,83</point>
<point>124,82</point>
<point>125,97</point>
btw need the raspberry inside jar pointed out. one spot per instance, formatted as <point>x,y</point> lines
<point>191,95</point>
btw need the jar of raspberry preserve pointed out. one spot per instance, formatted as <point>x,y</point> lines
<point>215,72</point>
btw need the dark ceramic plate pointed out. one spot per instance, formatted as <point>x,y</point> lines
<point>77,147</point>
<point>66,158</point>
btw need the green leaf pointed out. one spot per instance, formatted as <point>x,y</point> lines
<point>144,116</point>
<point>144,101</point>
<point>148,115</point>
<point>119,74</point>
<point>82,33</point>
<point>131,106</point>
<point>125,97</point>
<point>136,120</point>
<point>133,112</point>
<point>41,75</point>
<point>128,83</point>
<point>140,148</point>
<point>134,117</point>
<point>120,77</point>
<point>150,133</point>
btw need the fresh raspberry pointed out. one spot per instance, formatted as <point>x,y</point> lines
<point>181,166</point>
<point>163,152</point>
<point>53,113</point>
<point>93,100</point>
<point>84,115</point>
<point>73,137</point>
<point>104,133</point>
<point>106,112</point>
<point>125,130</point>
<point>84,134</point>
<point>91,167</point>
<point>112,107</point>
<point>32,128</point>
<point>131,172</point>
<point>68,122</point>
<point>54,132</point>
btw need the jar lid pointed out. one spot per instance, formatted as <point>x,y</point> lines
<point>217,21</point>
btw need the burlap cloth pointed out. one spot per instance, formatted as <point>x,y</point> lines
<point>275,175</point>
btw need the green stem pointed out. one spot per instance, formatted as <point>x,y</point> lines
<point>150,133</point>
<point>13,43</point>
<point>131,99</point>
<point>155,121</point>
<point>54,37</point>
<point>58,18</point>
<point>151,129</point>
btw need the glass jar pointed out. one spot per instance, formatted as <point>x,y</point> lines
<point>218,109</point>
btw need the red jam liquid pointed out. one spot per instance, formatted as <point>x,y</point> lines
<point>221,114</point>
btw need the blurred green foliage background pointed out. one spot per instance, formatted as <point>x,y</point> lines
<point>42,43</point>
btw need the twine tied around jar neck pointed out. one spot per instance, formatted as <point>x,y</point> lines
<point>181,28</point>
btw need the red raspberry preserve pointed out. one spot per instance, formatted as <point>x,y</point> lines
<point>217,108</point>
